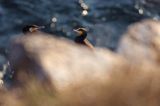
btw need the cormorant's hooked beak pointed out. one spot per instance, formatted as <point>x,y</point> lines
<point>78,32</point>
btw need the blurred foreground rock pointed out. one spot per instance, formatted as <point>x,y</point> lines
<point>141,44</point>
<point>57,72</point>
<point>60,62</point>
<point>62,66</point>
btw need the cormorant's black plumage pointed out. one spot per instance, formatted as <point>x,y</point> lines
<point>26,29</point>
<point>31,28</point>
<point>81,38</point>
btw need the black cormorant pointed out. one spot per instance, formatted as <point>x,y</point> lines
<point>31,28</point>
<point>81,38</point>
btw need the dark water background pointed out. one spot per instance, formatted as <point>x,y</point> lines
<point>106,20</point>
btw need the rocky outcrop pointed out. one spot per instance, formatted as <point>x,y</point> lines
<point>62,67</point>
<point>50,71</point>
<point>63,62</point>
<point>141,44</point>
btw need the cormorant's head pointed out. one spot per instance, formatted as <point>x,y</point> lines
<point>81,31</point>
<point>31,28</point>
